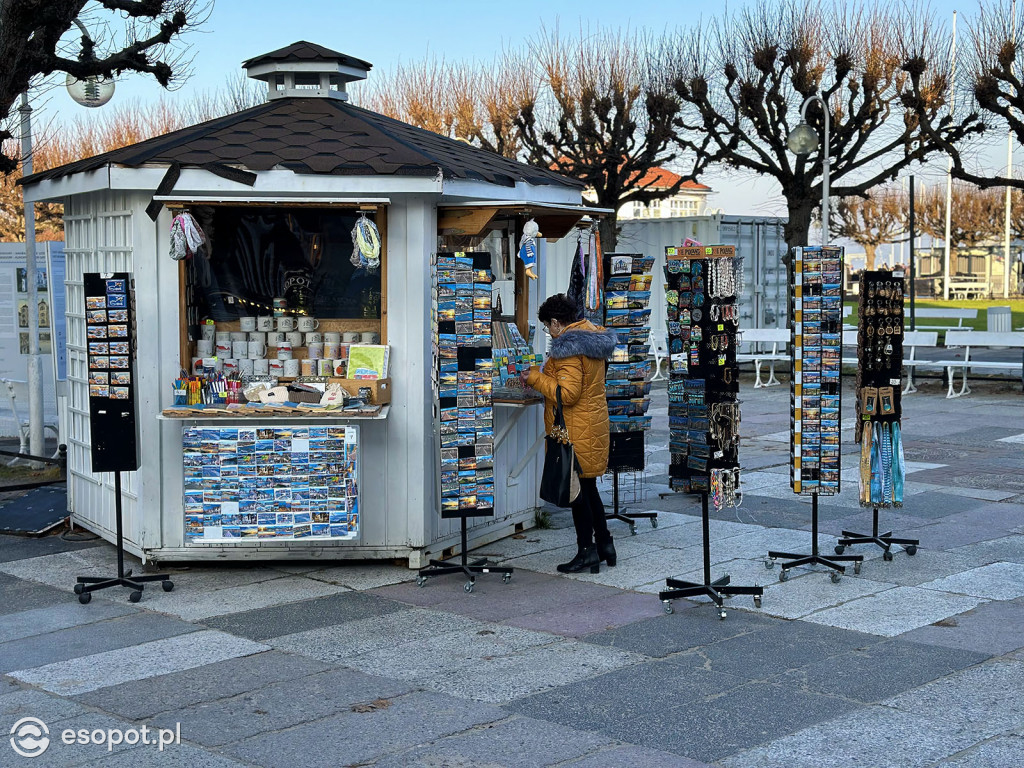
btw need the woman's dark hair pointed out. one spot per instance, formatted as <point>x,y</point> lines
<point>557,307</point>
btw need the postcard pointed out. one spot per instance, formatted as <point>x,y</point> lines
<point>117,301</point>
<point>96,390</point>
<point>96,316</point>
<point>117,315</point>
<point>115,286</point>
<point>119,331</point>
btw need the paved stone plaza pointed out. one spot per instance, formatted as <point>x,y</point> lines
<point>915,662</point>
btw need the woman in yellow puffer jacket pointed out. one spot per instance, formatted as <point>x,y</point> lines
<point>576,363</point>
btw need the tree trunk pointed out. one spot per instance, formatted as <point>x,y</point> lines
<point>608,228</point>
<point>798,227</point>
<point>869,256</point>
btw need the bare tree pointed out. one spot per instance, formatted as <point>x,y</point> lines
<point>31,47</point>
<point>744,77</point>
<point>976,216</point>
<point>870,221</point>
<point>606,116</point>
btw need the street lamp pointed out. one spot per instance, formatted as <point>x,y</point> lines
<point>90,92</point>
<point>802,141</point>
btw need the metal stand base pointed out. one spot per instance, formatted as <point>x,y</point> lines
<point>444,567</point>
<point>884,540</point>
<point>717,590</point>
<point>814,558</point>
<point>632,517</point>
<point>88,584</point>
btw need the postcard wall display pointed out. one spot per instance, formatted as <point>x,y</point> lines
<point>879,388</point>
<point>816,322</point>
<point>702,285</point>
<point>280,483</point>
<point>465,373</point>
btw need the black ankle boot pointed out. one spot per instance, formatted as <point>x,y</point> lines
<point>586,557</point>
<point>606,550</point>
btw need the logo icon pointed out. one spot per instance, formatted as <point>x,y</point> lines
<point>30,737</point>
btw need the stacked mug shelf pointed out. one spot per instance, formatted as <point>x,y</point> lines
<point>627,297</point>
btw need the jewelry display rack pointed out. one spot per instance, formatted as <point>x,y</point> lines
<point>879,405</point>
<point>704,409</point>
<point>816,317</point>
<point>627,295</point>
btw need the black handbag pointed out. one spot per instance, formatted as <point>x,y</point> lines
<point>560,483</point>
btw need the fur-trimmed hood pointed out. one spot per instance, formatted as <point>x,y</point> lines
<point>586,339</point>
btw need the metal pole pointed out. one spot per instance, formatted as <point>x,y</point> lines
<point>949,168</point>
<point>35,365</point>
<point>826,169</point>
<point>1009,174</point>
<point>913,259</point>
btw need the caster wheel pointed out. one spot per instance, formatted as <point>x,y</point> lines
<point>168,585</point>
<point>668,607</point>
<point>506,578</point>
<point>135,596</point>
<point>836,576</point>
<point>469,586</point>
<point>79,588</point>
<point>887,555</point>
<point>421,581</point>
<point>654,522</point>
<point>783,575</point>
<point>721,615</point>
<point>632,530</point>
<point>840,549</point>
<point>911,550</point>
<point>856,567</point>
<point>769,563</point>
<point>757,601</point>
<point>84,597</point>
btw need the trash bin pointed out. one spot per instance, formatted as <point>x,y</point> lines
<point>999,319</point>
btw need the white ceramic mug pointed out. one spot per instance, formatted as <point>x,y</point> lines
<point>275,338</point>
<point>294,338</point>
<point>247,324</point>
<point>275,367</point>
<point>231,365</point>
<point>239,349</point>
<point>258,336</point>
<point>332,337</point>
<point>213,364</point>
<point>239,336</point>
<point>222,336</point>
<point>245,366</point>
<point>325,367</point>
<point>265,323</point>
<point>261,367</point>
<point>291,367</point>
<point>307,324</point>
<point>314,338</point>
<point>209,331</point>
<point>286,323</point>
<point>223,348</point>
<point>255,349</point>
<point>350,337</point>
<point>308,367</point>
<point>369,337</point>
<point>284,350</point>
<point>204,348</point>
<point>332,350</point>
<point>316,351</point>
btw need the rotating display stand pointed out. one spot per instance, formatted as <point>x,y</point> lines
<point>879,405</point>
<point>816,317</point>
<point>444,567</point>
<point>704,408</point>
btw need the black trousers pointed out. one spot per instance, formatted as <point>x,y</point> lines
<point>588,514</point>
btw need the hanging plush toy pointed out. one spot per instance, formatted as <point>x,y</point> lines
<point>528,247</point>
<point>365,244</point>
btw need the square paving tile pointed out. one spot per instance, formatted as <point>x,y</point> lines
<point>1002,750</point>
<point>635,756</point>
<point>951,534</point>
<point>997,581</point>
<point>1006,548</point>
<point>992,628</point>
<point>290,618</point>
<point>18,595</point>
<point>808,591</point>
<point>629,574</point>
<point>39,621</point>
<point>178,756</point>
<point>894,611</point>
<point>584,618</point>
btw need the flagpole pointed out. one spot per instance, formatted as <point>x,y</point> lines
<point>1009,172</point>
<point>949,166</point>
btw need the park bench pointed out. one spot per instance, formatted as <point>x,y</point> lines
<point>968,288</point>
<point>911,341</point>
<point>984,340</point>
<point>756,336</point>
<point>934,313</point>
<point>659,348</point>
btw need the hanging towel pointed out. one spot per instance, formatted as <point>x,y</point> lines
<point>876,465</point>
<point>865,465</point>
<point>886,465</point>
<point>899,466</point>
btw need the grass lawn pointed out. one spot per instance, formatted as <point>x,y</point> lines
<point>980,323</point>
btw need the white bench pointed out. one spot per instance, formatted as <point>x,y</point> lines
<point>911,341</point>
<point>932,313</point>
<point>850,340</point>
<point>987,339</point>
<point>659,348</point>
<point>773,336</point>
<point>17,391</point>
<point>968,288</point>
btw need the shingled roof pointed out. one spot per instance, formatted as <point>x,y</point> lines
<point>317,136</point>
<point>305,51</point>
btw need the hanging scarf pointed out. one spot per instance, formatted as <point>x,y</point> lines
<point>886,465</point>
<point>186,237</point>
<point>899,465</point>
<point>576,280</point>
<point>365,244</point>
<point>876,465</point>
<point>592,294</point>
<point>865,465</point>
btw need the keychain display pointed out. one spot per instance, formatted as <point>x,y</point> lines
<point>879,387</point>
<point>702,284</point>
<point>816,319</point>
